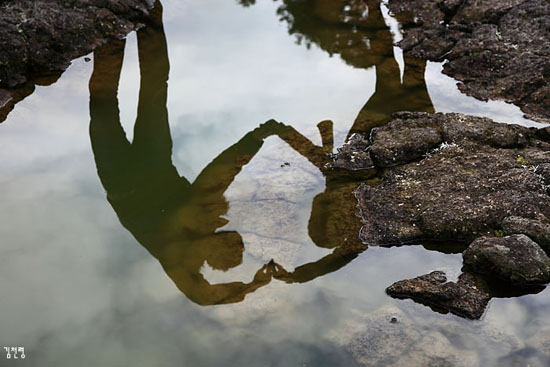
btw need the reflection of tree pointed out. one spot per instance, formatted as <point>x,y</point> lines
<point>174,219</point>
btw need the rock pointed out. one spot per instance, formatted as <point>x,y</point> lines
<point>392,145</point>
<point>496,49</point>
<point>462,298</point>
<point>353,155</point>
<point>544,171</point>
<point>481,173</point>
<point>515,258</point>
<point>536,229</point>
<point>39,38</point>
<point>410,136</point>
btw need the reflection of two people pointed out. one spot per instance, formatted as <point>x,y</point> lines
<point>175,220</point>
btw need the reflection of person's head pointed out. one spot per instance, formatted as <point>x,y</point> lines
<point>223,250</point>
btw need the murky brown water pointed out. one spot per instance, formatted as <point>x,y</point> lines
<point>145,238</point>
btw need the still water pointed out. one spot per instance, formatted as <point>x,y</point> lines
<point>138,227</point>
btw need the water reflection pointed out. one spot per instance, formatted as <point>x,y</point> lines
<point>356,30</point>
<point>175,220</point>
<point>178,221</point>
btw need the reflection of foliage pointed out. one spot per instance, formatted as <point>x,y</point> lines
<point>343,27</point>
<point>246,3</point>
<point>301,22</point>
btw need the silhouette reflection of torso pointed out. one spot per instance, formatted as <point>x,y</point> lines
<point>177,221</point>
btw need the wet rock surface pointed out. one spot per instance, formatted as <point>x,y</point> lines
<point>464,185</point>
<point>516,259</point>
<point>496,49</point>
<point>462,298</point>
<point>39,38</point>
<point>353,154</point>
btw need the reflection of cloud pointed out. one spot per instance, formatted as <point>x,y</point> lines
<point>79,290</point>
<point>447,97</point>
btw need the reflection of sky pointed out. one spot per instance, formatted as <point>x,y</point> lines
<point>79,290</point>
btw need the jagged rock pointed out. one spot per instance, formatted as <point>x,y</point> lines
<point>353,154</point>
<point>516,259</point>
<point>39,36</point>
<point>392,145</point>
<point>462,298</point>
<point>544,171</point>
<point>410,136</point>
<point>496,49</point>
<point>481,173</point>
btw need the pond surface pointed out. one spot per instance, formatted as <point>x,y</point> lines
<point>142,235</point>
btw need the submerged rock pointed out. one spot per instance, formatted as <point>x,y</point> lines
<point>409,336</point>
<point>515,258</point>
<point>462,188</point>
<point>462,298</point>
<point>496,49</point>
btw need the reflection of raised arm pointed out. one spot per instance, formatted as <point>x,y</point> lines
<point>141,183</point>
<point>218,175</point>
<point>200,291</point>
<point>339,258</point>
<point>315,154</point>
<point>152,140</point>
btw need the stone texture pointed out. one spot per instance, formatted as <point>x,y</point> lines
<point>353,155</point>
<point>515,258</point>
<point>39,38</point>
<point>462,298</point>
<point>536,229</point>
<point>481,173</point>
<point>496,49</point>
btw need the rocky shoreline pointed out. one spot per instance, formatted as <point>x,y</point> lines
<point>39,38</point>
<point>451,178</point>
<point>496,49</point>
